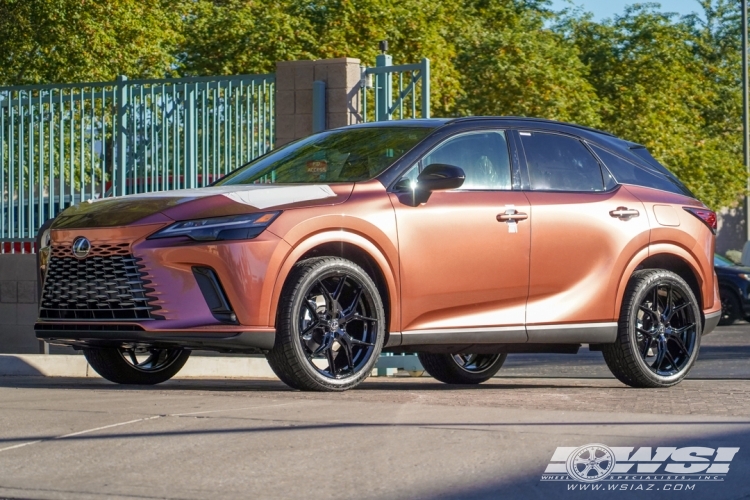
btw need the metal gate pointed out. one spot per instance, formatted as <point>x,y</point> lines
<point>65,143</point>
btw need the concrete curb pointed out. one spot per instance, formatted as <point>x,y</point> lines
<point>66,365</point>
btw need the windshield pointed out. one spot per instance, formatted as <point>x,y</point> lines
<point>720,261</point>
<point>346,155</point>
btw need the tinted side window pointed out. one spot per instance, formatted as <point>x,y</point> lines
<point>560,163</point>
<point>483,156</point>
<point>630,173</point>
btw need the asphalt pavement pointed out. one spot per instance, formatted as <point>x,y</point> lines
<point>391,438</point>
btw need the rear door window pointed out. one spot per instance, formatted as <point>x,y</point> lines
<point>560,163</point>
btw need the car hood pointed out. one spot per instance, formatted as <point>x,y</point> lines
<point>216,201</point>
<point>732,270</point>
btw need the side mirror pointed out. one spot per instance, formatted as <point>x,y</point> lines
<point>440,177</point>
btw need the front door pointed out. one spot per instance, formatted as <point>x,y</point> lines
<point>465,253</point>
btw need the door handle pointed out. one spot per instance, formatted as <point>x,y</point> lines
<point>624,213</point>
<point>511,216</point>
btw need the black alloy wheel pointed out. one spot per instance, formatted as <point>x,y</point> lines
<point>730,307</point>
<point>462,368</point>
<point>137,364</point>
<point>666,335</point>
<point>659,331</point>
<point>331,324</point>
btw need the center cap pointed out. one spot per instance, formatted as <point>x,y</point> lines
<point>334,324</point>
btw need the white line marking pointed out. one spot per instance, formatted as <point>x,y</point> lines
<point>107,427</point>
<point>119,424</point>
<point>230,409</point>
<point>20,445</point>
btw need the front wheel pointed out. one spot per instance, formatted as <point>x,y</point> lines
<point>659,331</point>
<point>330,327</point>
<point>462,368</point>
<point>136,365</point>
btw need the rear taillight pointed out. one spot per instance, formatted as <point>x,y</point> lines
<point>707,216</point>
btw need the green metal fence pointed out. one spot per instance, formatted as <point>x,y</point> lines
<point>412,85</point>
<point>66,143</point>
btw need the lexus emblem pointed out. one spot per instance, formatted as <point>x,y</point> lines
<point>81,247</point>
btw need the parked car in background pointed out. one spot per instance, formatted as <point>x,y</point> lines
<point>461,240</point>
<point>734,290</point>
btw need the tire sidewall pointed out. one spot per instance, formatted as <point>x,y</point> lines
<point>640,294</point>
<point>328,269</point>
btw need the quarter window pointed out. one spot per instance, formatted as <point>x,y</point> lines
<point>560,163</point>
<point>630,173</point>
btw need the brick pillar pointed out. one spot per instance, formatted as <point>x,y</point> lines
<point>294,84</point>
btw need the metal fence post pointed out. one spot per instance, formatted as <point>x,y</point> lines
<point>191,139</point>
<point>425,88</point>
<point>121,143</point>
<point>383,89</point>
<point>319,106</point>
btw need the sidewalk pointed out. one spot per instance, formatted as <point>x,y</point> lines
<point>63,365</point>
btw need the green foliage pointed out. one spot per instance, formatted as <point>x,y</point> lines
<point>669,83</point>
<point>44,41</point>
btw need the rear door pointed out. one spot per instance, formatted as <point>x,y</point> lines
<point>585,230</point>
<point>465,253</point>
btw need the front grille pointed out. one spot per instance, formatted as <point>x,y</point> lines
<point>109,287</point>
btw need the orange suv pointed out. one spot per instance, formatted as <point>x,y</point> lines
<point>461,240</point>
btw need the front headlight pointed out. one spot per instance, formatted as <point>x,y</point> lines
<point>44,251</point>
<point>234,227</point>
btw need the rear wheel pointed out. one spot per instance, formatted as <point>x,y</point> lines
<point>730,307</point>
<point>330,327</point>
<point>136,365</point>
<point>462,368</point>
<point>659,331</point>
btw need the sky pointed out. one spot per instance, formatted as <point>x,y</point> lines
<point>607,8</point>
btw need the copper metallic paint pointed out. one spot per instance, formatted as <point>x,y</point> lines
<point>577,229</point>
<point>453,268</point>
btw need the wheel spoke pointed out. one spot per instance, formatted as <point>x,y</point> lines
<point>681,330</point>
<point>680,345</point>
<point>668,356</point>
<point>660,350</point>
<point>677,309</point>
<point>653,314</point>
<point>359,342</point>
<point>330,301</point>
<point>331,363</point>
<point>646,347</point>
<point>311,309</point>
<point>133,359</point>
<point>339,288</point>
<point>307,331</point>
<point>351,310</point>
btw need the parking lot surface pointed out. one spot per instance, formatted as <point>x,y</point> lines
<point>391,438</point>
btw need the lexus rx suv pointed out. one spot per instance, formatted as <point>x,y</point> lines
<point>461,240</point>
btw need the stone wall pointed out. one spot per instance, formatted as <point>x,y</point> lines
<point>18,303</point>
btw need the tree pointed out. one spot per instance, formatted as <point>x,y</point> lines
<point>657,88</point>
<point>510,64</point>
<point>45,41</point>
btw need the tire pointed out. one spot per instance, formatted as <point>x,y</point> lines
<point>111,363</point>
<point>462,369</point>
<point>730,307</point>
<point>649,328</point>
<point>330,311</point>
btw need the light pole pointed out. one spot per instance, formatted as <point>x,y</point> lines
<point>745,116</point>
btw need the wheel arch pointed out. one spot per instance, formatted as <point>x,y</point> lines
<point>675,260</point>
<point>354,247</point>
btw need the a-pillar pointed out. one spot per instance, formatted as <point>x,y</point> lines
<point>294,95</point>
